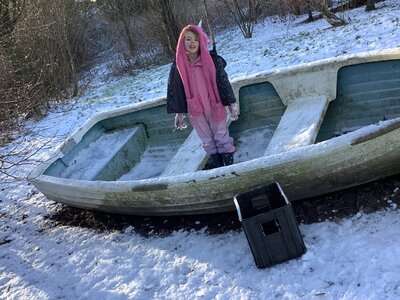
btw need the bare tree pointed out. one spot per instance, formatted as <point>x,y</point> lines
<point>322,7</point>
<point>168,27</point>
<point>10,12</point>
<point>295,7</point>
<point>370,5</point>
<point>18,155</point>
<point>310,17</point>
<point>244,15</point>
<point>40,57</point>
<point>134,20</point>
<point>122,15</point>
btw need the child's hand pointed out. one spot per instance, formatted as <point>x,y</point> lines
<point>180,122</point>
<point>234,110</point>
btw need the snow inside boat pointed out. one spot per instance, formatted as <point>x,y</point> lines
<point>314,128</point>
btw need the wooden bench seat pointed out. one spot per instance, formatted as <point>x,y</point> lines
<point>124,155</point>
<point>190,157</point>
<point>299,124</point>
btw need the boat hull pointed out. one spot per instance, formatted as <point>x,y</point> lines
<point>333,166</point>
<point>365,116</point>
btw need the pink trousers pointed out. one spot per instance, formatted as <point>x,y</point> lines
<point>214,135</point>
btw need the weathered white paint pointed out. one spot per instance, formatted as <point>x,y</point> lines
<point>304,171</point>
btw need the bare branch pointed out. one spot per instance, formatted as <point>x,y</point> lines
<point>245,16</point>
<point>20,153</point>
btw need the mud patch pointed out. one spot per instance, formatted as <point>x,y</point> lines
<point>367,198</point>
<point>145,226</point>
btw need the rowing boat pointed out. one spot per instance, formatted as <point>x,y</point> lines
<point>315,128</point>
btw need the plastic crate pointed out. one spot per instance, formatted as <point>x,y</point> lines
<point>270,225</point>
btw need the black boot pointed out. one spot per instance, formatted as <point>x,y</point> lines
<point>217,159</point>
<point>227,158</point>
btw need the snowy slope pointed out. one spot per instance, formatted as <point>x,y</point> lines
<point>357,258</point>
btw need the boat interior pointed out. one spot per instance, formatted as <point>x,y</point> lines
<point>142,144</point>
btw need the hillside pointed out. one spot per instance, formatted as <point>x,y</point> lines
<point>48,251</point>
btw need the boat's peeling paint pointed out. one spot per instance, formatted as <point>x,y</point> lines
<point>351,159</point>
<point>147,188</point>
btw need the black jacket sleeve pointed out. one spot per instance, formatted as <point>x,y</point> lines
<point>224,86</point>
<point>176,98</point>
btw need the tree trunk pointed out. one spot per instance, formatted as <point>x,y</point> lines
<point>244,17</point>
<point>310,15</point>
<point>329,16</point>
<point>74,77</point>
<point>129,40</point>
<point>370,5</point>
<point>295,8</point>
<point>169,22</point>
<point>5,19</point>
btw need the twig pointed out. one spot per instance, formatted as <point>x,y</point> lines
<point>208,22</point>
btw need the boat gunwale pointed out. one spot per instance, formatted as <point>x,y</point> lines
<point>317,65</point>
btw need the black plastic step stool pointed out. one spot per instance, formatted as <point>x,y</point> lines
<point>270,225</point>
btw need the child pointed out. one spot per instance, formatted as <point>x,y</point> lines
<point>198,85</point>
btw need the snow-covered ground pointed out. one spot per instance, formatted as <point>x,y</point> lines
<point>357,258</point>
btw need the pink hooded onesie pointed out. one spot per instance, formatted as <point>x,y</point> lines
<point>206,111</point>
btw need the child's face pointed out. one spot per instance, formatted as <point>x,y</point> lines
<point>191,43</point>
